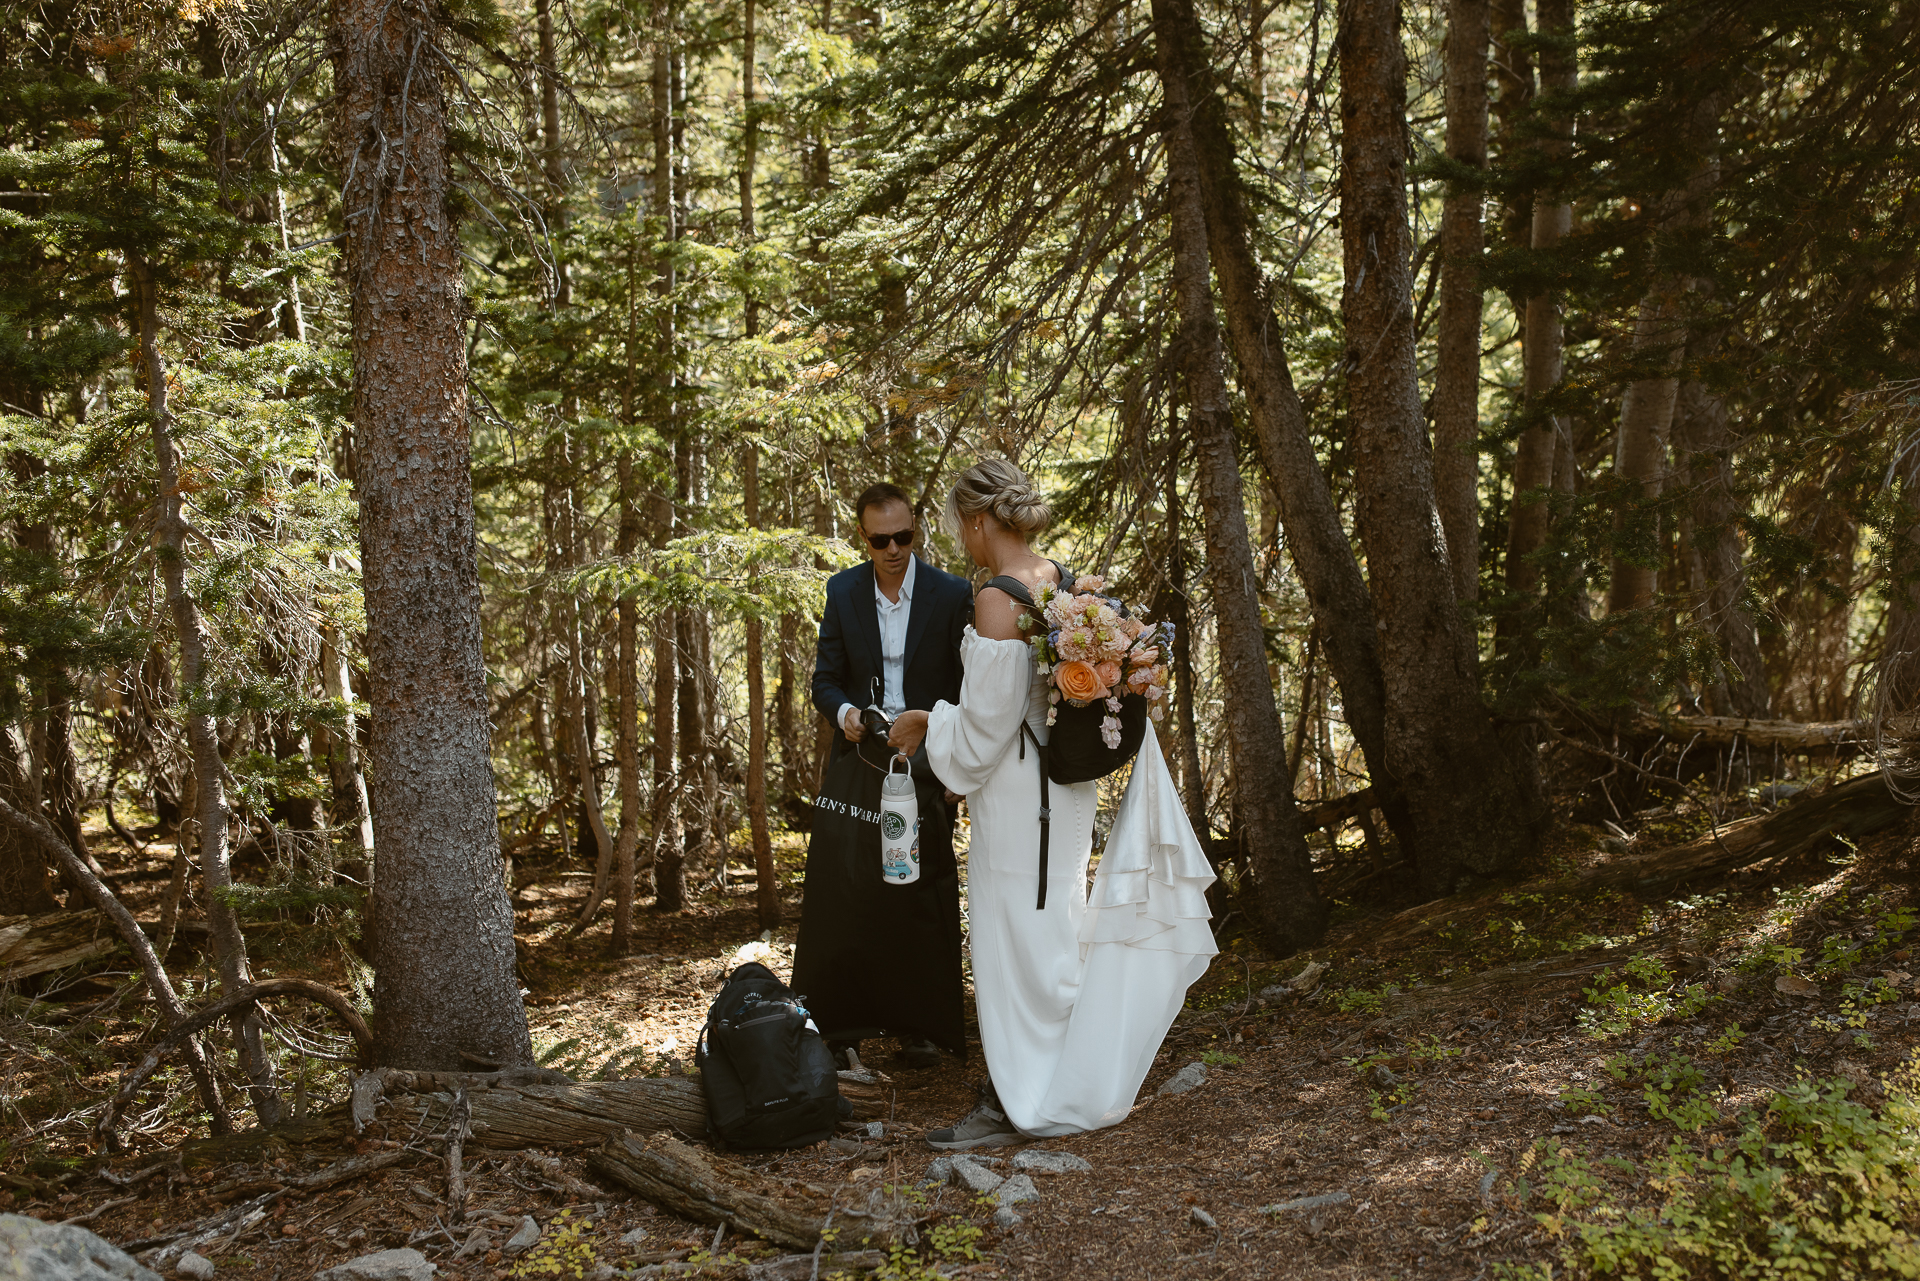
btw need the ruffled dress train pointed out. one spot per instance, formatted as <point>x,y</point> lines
<point>1074,999</point>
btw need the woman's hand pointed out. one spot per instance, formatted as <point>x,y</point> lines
<point>909,728</point>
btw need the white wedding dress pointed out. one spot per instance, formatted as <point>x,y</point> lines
<point>1075,999</point>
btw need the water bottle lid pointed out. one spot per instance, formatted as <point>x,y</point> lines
<point>897,758</point>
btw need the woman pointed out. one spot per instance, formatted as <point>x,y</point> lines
<point>1074,998</point>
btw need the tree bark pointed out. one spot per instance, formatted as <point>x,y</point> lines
<point>1456,388</point>
<point>767,886</point>
<point>627,680</point>
<point>442,928</point>
<point>350,808</point>
<point>1289,908</point>
<point>1315,537</point>
<point>203,737</point>
<point>1541,435</point>
<point>1473,800</point>
<point>26,872</point>
<point>1716,562</point>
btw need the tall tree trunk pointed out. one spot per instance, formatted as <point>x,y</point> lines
<point>1473,799</point>
<point>669,854</point>
<point>1314,535</point>
<point>551,158</point>
<point>1703,458</point>
<point>203,737</point>
<point>627,678</point>
<point>1513,78</point>
<point>1287,903</point>
<point>1542,432</point>
<point>767,888</point>
<point>26,872</point>
<point>1646,410</point>
<point>1456,387</point>
<point>350,807</point>
<point>445,991</point>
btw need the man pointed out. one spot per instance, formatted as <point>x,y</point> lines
<point>874,958</point>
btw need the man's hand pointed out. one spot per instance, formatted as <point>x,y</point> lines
<point>851,725</point>
<point>909,728</point>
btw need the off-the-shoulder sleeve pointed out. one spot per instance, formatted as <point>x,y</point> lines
<point>965,744</point>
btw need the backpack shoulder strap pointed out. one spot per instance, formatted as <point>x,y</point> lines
<point>1014,588</point>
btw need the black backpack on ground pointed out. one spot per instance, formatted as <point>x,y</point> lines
<point>768,1075</point>
<point>1074,751</point>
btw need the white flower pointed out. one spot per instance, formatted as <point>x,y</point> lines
<point>1158,711</point>
<point>1053,714</point>
<point>1110,732</point>
<point>1113,705</point>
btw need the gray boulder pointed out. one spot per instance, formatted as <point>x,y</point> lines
<point>1187,1078</point>
<point>386,1265</point>
<point>1038,1161</point>
<point>1015,1190</point>
<point>973,1176</point>
<point>31,1250</point>
<point>195,1265</point>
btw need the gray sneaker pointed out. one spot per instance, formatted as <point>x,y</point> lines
<point>985,1127</point>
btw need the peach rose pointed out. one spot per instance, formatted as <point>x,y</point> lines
<point>1108,672</point>
<point>1079,681</point>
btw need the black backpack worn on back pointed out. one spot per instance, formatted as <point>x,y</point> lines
<point>768,1075</point>
<point>1074,751</point>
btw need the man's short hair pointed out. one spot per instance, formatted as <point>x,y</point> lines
<point>878,495</point>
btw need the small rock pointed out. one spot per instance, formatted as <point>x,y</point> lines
<point>32,1248</point>
<point>1612,845</point>
<point>941,1170</point>
<point>634,1237</point>
<point>973,1176</point>
<point>1383,1076</point>
<point>875,1129</point>
<point>1193,1074</point>
<point>1486,1186</point>
<point>1202,1218</point>
<point>1015,1190</point>
<point>197,1266</point>
<point>1794,985</point>
<point>1308,979</point>
<point>478,1241</point>
<point>1307,1203</point>
<point>386,1265</point>
<point>523,1236</point>
<point>1051,1162</point>
<point>1005,1217</point>
<point>1275,992</point>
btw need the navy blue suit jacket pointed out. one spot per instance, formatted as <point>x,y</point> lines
<point>847,666</point>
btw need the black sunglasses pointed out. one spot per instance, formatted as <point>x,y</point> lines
<point>903,537</point>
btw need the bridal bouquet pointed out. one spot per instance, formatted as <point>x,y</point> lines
<point>1094,650</point>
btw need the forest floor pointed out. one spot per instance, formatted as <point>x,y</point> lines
<point>1481,1086</point>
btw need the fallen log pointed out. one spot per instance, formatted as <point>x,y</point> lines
<point>708,1188</point>
<point>1854,809</point>
<point>504,1116</point>
<point>1792,737</point>
<point>50,941</point>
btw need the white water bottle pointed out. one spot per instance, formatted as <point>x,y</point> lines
<point>899,826</point>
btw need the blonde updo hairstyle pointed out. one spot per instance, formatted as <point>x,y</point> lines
<point>995,487</point>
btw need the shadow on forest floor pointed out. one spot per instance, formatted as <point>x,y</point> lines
<point>1509,1080</point>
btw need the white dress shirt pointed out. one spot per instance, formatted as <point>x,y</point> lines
<point>893,645</point>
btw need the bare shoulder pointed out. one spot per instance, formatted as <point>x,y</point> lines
<point>996,615</point>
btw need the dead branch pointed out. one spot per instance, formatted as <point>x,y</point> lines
<point>708,1188</point>
<point>36,830</point>
<point>206,1016</point>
